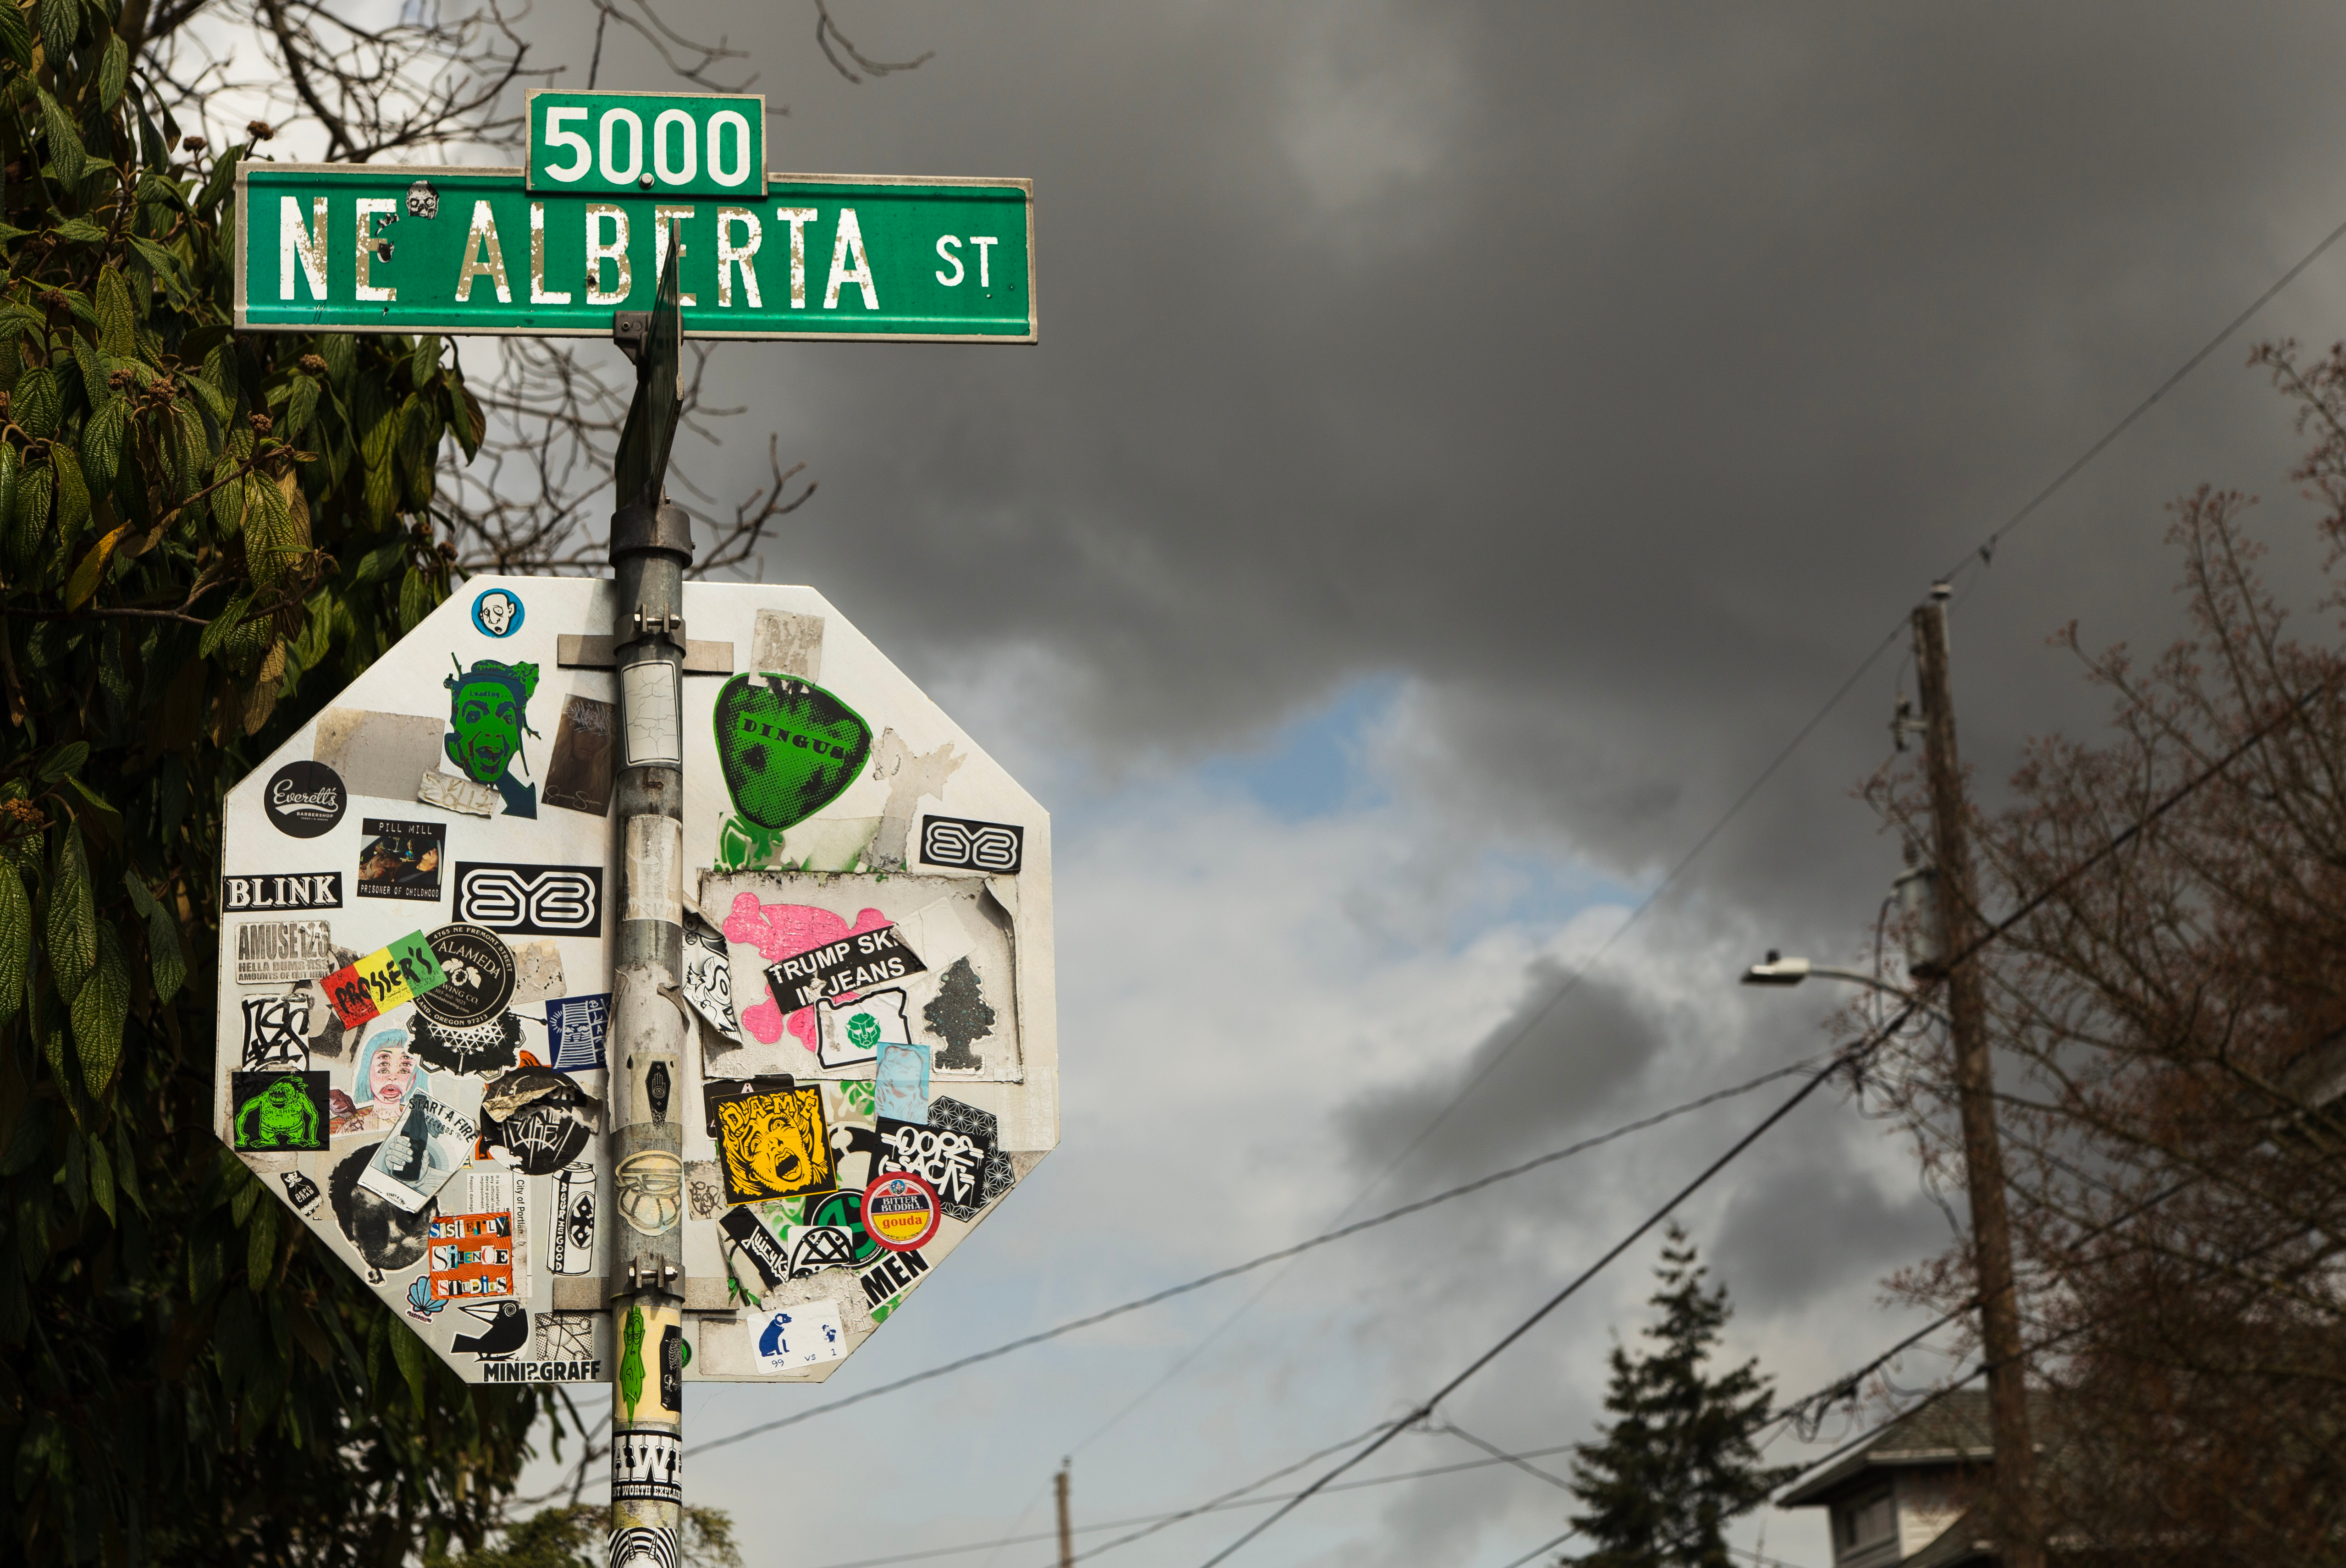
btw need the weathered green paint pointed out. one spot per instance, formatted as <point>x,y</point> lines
<point>628,144</point>
<point>438,222</point>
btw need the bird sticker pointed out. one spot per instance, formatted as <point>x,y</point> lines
<point>507,1330</point>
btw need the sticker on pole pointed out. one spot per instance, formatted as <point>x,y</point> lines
<point>900,1211</point>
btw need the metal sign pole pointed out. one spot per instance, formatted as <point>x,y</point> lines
<point>651,545</point>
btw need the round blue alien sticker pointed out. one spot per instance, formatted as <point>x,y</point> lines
<point>497,612</point>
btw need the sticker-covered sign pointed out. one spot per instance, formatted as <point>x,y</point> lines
<point>419,890</point>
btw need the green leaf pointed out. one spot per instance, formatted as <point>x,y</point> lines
<point>113,72</point>
<point>73,495</point>
<point>62,760</point>
<point>417,597</point>
<point>216,189</point>
<point>35,401</point>
<point>92,570</point>
<point>379,563</point>
<point>102,437</point>
<point>101,1179</point>
<point>80,231</point>
<point>15,38</point>
<point>261,1246</point>
<point>426,361</point>
<point>71,930</point>
<point>91,363</point>
<point>117,323</point>
<point>341,352</point>
<point>162,938</point>
<point>15,941</point>
<point>29,524</point>
<point>60,23</point>
<point>99,1008</point>
<point>409,1352</point>
<point>223,626</point>
<point>299,407</point>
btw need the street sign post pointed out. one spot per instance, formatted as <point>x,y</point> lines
<point>634,980</point>
<point>365,248</point>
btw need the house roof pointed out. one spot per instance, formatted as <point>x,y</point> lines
<point>1960,1543</point>
<point>1951,1429</point>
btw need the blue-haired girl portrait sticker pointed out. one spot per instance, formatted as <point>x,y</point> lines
<point>497,612</point>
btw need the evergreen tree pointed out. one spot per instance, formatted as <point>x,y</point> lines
<point>1676,1464</point>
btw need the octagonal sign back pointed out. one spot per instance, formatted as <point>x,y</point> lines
<point>415,979</point>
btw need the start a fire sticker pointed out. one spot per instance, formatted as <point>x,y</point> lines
<point>900,1211</point>
<point>386,978</point>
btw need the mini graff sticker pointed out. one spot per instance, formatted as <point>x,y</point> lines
<point>575,1029</point>
<point>787,749</point>
<point>488,723</point>
<point>401,860</point>
<point>773,1145</point>
<point>901,1211</point>
<point>531,901</point>
<point>279,1111</point>
<point>851,964</point>
<point>579,778</point>
<point>497,612</point>
<point>282,890</point>
<point>480,977</point>
<point>386,978</point>
<point>965,845</point>
<point>305,798</point>
<point>284,952</point>
<point>806,1334</point>
<point>648,1187</point>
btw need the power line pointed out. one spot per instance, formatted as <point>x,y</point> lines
<point>1392,1429</point>
<point>1322,1240</point>
<point>1985,551</point>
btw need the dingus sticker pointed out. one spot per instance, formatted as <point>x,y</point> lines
<point>305,799</point>
<point>901,1211</point>
<point>787,748</point>
<point>497,612</point>
<point>488,718</point>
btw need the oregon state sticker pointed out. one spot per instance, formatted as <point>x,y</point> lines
<point>900,1211</point>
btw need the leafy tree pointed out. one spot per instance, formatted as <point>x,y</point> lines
<point>1676,1464</point>
<point>202,534</point>
<point>571,1536</point>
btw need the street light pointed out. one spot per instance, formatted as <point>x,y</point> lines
<point>1780,971</point>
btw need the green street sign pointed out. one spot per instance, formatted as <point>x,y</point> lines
<point>378,248</point>
<point>626,143</point>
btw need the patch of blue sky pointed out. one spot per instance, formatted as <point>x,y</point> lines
<point>1314,765</point>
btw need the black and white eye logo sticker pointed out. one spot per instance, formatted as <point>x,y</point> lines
<point>538,901</point>
<point>967,845</point>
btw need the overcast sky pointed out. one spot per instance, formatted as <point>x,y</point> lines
<point>1467,441</point>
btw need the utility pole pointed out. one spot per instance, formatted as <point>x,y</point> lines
<point>651,546</point>
<point>2008,1383</point>
<point>1067,1531</point>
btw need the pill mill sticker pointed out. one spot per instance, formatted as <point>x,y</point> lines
<point>900,1211</point>
<point>305,799</point>
<point>283,952</point>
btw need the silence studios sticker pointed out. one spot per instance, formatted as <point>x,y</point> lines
<point>305,799</point>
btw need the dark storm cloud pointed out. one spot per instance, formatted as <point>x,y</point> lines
<point>1626,397</point>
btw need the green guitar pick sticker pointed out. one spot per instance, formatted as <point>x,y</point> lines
<point>787,748</point>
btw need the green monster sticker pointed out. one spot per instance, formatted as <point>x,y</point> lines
<point>280,1110</point>
<point>787,748</point>
<point>488,715</point>
<point>631,1362</point>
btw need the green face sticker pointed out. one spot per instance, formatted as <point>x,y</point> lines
<point>864,1031</point>
<point>488,715</point>
<point>787,748</point>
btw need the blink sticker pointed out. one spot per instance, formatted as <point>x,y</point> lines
<point>401,860</point>
<point>284,952</point>
<point>531,901</point>
<point>968,846</point>
<point>305,799</point>
<point>851,964</point>
<point>282,890</point>
<point>498,613</point>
